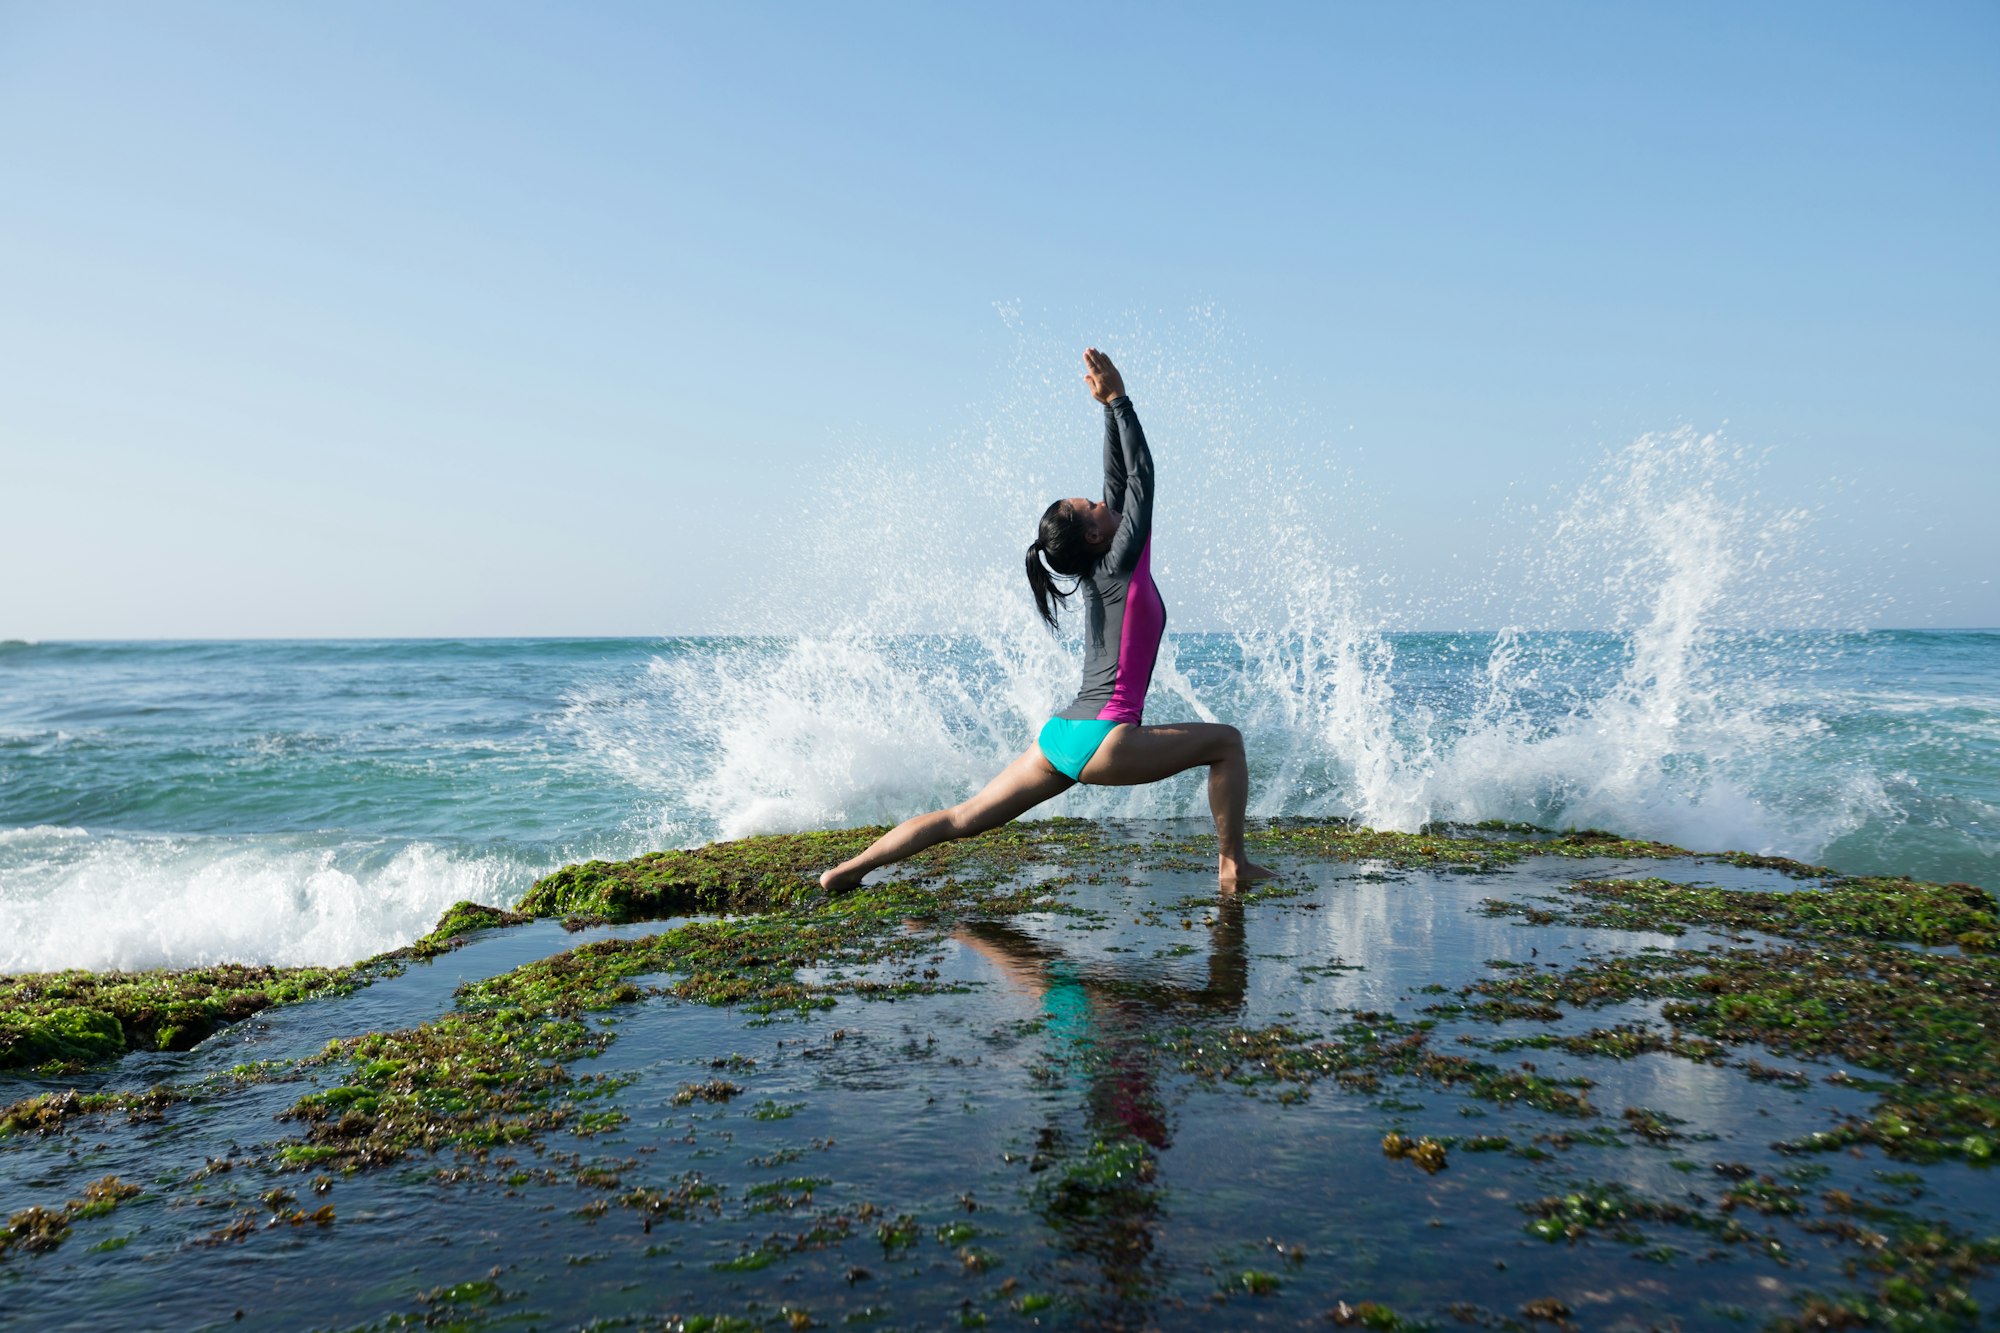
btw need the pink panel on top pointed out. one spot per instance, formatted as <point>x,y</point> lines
<point>1138,643</point>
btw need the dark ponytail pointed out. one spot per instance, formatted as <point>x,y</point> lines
<point>1059,547</point>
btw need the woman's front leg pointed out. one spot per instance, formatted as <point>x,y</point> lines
<point>1018,788</point>
<point>1132,755</point>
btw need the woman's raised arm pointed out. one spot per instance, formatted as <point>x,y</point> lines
<point>1106,384</point>
<point>1135,506</point>
<point>1128,464</point>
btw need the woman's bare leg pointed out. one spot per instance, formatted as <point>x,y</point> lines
<point>1132,755</point>
<point>1021,786</point>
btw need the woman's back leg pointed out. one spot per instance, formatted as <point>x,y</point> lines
<point>1019,788</point>
<point>1133,755</point>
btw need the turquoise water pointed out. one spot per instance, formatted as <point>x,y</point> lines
<point>174,803</point>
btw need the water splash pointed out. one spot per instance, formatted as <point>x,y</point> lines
<point>1657,723</point>
<point>1652,726</point>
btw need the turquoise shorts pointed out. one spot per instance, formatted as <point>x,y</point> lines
<point>1068,743</point>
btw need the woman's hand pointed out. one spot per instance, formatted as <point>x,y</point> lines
<point>1103,378</point>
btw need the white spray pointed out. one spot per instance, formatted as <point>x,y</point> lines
<point>906,688</point>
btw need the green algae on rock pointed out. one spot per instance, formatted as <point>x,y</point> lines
<point>36,1229</point>
<point>1358,1056</point>
<point>1908,1273</point>
<point>461,1081</point>
<point>495,1070</point>
<point>459,920</point>
<point>70,1019</point>
<point>1930,1020</point>
<point>1871,907</point>
<point>1449,846</point>
<point>750,875</point>
<point>780,872</point>
<point>499,1073</point>
<point>67,1021</point>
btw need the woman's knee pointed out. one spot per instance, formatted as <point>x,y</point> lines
<point>965,820</point>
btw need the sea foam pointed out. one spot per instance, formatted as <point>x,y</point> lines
<point>74,899</point>
<point>1657,724</point>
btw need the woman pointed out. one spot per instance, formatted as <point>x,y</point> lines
<point>1107,548</point>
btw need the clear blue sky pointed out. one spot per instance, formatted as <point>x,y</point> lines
<point>374,318</point>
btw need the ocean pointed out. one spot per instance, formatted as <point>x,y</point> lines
<point>173,804</point>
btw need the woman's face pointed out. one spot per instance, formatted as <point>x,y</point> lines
<point>1099,520</point>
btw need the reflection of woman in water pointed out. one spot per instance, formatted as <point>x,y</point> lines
<point>1107,547</point>
<point>1104,1017</point>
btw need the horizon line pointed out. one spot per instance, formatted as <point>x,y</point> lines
<point>785,634</point>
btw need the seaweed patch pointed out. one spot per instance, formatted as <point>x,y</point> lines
<point>996,1087</point>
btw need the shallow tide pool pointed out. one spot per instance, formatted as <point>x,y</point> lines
<point>1146,1106</point>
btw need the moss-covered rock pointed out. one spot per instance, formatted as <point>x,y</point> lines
<point>68,1036</point>
<point>461,919</point>
<point>1929,1021</point>
<point>495,1085</point>
<point>780,872</point>
<point>1470,847</point>
<point>74,1018</point>
<point>749,875</point>
<point>71,1019</point>
<point>1842,908</point>
<point>1842,985</point>
<point>51,1112</point>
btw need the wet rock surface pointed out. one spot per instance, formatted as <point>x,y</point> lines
<point>1490,1077</point>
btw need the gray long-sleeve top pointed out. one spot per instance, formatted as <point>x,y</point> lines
<point>1124,616</point>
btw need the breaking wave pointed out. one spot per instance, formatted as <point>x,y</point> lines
<point>901,684</point>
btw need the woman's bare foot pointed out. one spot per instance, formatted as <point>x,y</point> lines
<point>1235,874</point>
<point>838,881</point>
